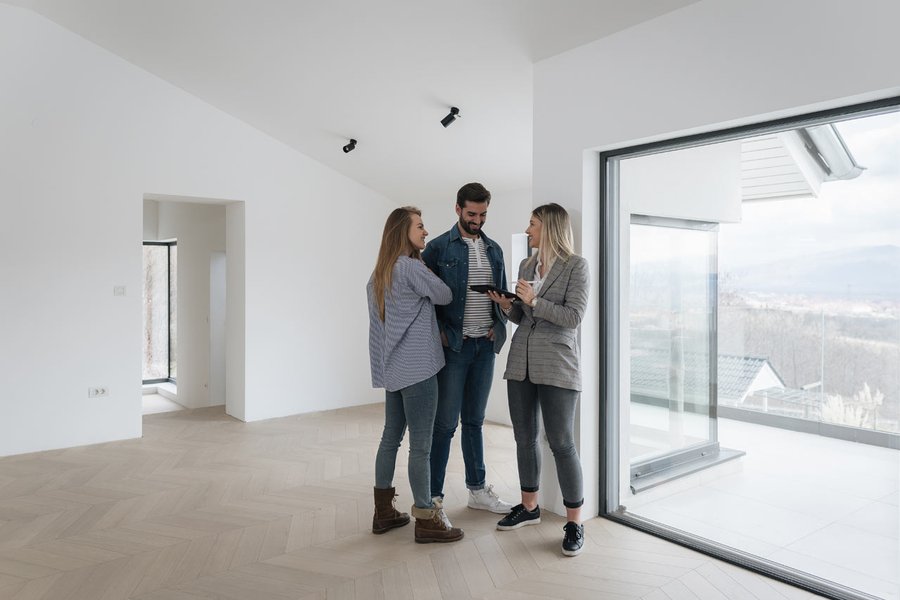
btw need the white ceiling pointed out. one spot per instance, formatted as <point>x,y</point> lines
<point>315,73</point>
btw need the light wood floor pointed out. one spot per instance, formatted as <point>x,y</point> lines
<point>205,506</point>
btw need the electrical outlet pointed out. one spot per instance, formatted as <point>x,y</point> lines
<point>98,392</point>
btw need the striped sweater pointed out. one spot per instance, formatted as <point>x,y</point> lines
<point>405,348</point>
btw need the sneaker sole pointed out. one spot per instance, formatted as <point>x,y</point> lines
<point>572,552</point>
<point>496,511</point>
<point>518,525</point>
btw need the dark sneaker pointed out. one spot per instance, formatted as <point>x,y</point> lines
<point>519,516</point>
<point>573,540</point>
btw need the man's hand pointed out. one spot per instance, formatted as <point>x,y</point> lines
<point>444,341</point>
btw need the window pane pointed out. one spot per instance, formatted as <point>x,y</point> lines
<point>806,347</point>
<point>670,321</point>
<point>173,313</point>
<point>156,313</point>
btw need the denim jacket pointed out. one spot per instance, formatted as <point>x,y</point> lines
<point>448,257</point>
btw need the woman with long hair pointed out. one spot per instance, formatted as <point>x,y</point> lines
<point>405,355</point>
<point>543,372</point>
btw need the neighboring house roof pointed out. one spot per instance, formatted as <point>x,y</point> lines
<point>794,163</point>
<point>736,374</point>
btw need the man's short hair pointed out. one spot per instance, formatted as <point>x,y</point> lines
<point>472,192</point>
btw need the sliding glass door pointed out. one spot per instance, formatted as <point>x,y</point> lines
<point>751,346</point>
<point>672,315</point>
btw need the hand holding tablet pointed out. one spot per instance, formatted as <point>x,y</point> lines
<point>484,289</point>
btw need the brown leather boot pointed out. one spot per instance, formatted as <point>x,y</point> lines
<point>432,526</point>
<point>386,516</point>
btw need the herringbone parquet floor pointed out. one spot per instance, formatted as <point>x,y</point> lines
<point>204,506</point>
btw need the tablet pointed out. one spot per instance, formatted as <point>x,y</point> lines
<point>483,289</point>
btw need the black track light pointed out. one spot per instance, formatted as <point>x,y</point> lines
<point>454,114</point>
<point>350,146</point>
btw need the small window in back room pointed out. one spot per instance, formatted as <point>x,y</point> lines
<point>159,302</point>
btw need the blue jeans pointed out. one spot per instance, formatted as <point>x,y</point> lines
<point>464,385</point>
<point>414,406</point>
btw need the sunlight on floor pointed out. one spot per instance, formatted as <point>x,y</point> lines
<point>154,403</point>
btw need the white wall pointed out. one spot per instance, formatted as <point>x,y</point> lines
<point>151,220</point>
<point>218,269</point>
<point>235,311</point>
<point>702,183</point>
<point>709,65</point>
<point>85,136</point>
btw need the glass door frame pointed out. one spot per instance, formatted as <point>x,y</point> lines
<point>610,347</point>
<point>659,469</point>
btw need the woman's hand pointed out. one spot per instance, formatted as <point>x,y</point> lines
<point>505,303</point>
<point>525,291</point>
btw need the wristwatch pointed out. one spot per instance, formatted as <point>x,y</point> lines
<point>533,302</point>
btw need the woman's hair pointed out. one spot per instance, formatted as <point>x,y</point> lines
<point>394,244</point>
<point>556,233</point>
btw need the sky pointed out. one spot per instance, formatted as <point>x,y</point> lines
<point>859,212</point>
<point>864,211</point>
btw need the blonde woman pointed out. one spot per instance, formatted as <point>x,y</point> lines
<point>405,355</point>
<point>544,372</point>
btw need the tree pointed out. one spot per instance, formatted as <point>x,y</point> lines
<point>860,410</point>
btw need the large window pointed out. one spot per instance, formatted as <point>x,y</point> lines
<point>752,353</point>
<point>160,316</point>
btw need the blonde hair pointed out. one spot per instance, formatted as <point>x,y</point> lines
<point>394,244</point>
<point>556,234</point>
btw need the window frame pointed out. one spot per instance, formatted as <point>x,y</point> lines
<point>171,282</point>
<point>610,320</point>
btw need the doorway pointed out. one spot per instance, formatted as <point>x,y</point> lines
<point>190,350</point>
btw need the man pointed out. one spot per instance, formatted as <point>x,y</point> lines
<point>473,330</point>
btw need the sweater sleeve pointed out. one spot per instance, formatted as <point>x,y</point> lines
<point>426,284</point>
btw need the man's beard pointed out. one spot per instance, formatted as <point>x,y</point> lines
<point>467,227</point>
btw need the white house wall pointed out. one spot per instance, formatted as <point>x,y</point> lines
<point>699,68</point>
<point>84,136</point>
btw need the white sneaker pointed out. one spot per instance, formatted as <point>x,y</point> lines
<point>439,506</point>
<point>487,499</point>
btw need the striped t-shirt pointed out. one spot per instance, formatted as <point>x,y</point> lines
<point>477,318</point>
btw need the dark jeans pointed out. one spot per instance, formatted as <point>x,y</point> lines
<point>413,406</point>
<point>463,388</point>
<point>557,405</point>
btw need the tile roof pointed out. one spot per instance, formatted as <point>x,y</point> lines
<point>650,373</point>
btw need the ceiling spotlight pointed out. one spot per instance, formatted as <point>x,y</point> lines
<point>454,114</point>
<point>350,146</point>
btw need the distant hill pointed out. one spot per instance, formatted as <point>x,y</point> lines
<point>871,273</point>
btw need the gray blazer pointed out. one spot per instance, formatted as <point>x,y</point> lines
<point>546,341</point>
